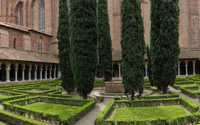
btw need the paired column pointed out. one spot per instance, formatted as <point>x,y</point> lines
<point>145,71</point>
<point>23,69</point>
<point>186,69</point>
<point>179,70</point>
<point>194,69</point>
<point>55,73</point>
<point>46,72</point>
<point>41,73</point>
<point>50,74</point>
<point>120,71</point>
<point>7,74</point>
<point>35,73</point>
<point>29,73</point>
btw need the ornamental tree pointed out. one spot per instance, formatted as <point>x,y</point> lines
<point>164,42</point>
<point>104,39</point>
<point>64,47</point>
<point>133,47</point>
<point>149,66</point>
<point>83,22</point>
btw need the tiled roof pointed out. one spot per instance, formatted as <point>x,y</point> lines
<point>184,54</point>
<point>24,55</point>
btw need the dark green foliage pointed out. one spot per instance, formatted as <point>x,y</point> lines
<point>83,44</point>
<point>64,47</point>
<point>149,66</point>
<point>133,46</point>
<point>164,42</point>
<point>105,45</point>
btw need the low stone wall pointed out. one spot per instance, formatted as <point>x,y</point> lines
<point>25,82</point>
<point>114,87</point>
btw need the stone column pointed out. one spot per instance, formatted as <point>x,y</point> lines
<point>16,74</point>
<point>23,74</point>
<point>29,74</point>
<point>146,71</point>
<point>120,71</point>
<point>7,74</point>
<point>55,73</point>
<point>46,72</point>
<point>179,70</point>
<point>35,73</point>
<point>50,70</point>
<point>41,73</point>
<point>193,69</point>
<point>186,70</point>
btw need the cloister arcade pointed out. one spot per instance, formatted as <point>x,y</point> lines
<point>25,71</point>
<point>185,68</point>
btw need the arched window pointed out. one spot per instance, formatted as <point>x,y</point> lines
<point>14,43</point>
<point>42,16</point>
<point>40,45</point>
<point>21,15</point>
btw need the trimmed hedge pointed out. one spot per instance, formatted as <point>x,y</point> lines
<point>102,117</point>
<point>100,120</point>
<point>12,95</point>
<point>34,93</point>
<point>189,105</point>
<point>192,93</point>
<point>179,79</point>
<point>16,106</point>
<point>58,94</point>
<point>17,120</point>
<point>184,82</point>
<point>173,95</point>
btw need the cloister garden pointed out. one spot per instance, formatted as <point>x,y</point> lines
<point>47,103</point>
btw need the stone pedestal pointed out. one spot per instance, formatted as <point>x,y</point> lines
<point>114,87</point>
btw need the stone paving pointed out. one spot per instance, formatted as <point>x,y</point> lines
<point>89,118</point>
<point>194,100</point>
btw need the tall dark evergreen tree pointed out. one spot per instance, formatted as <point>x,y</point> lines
<point>149,66</point>
<point>64,47</point>
<point>104,39</point>
<point>133,47</point>
<point>83,44</point>
<point>164,42</point>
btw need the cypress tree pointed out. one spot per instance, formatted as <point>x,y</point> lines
<point>165,48</point>
<point>83,44</point>
<point>133,47</point>
<point>149,66</point>
<point>64,47</point>
<point>105,45</point>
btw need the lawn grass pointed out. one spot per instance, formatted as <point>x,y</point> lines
<point>2,123</point>
<point>3,96</point>
<point>147,113</point>
<point>49,108</point>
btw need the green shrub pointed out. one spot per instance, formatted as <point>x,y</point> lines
<point>17,120</point>
<point>17,106</point>
<point>192,93</point>
<point>174,95</point>
<point>189,105</point>
<point>104,114</point>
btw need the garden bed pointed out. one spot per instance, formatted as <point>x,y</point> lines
<point>9,95</point>
<point>170,113</point>
<point>191,90</point>
<point>40,90</point>
<point>148,106</point>
<point>50,109</point>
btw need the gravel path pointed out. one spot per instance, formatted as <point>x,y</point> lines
<point>89,118</point>
<point>194,100</point>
